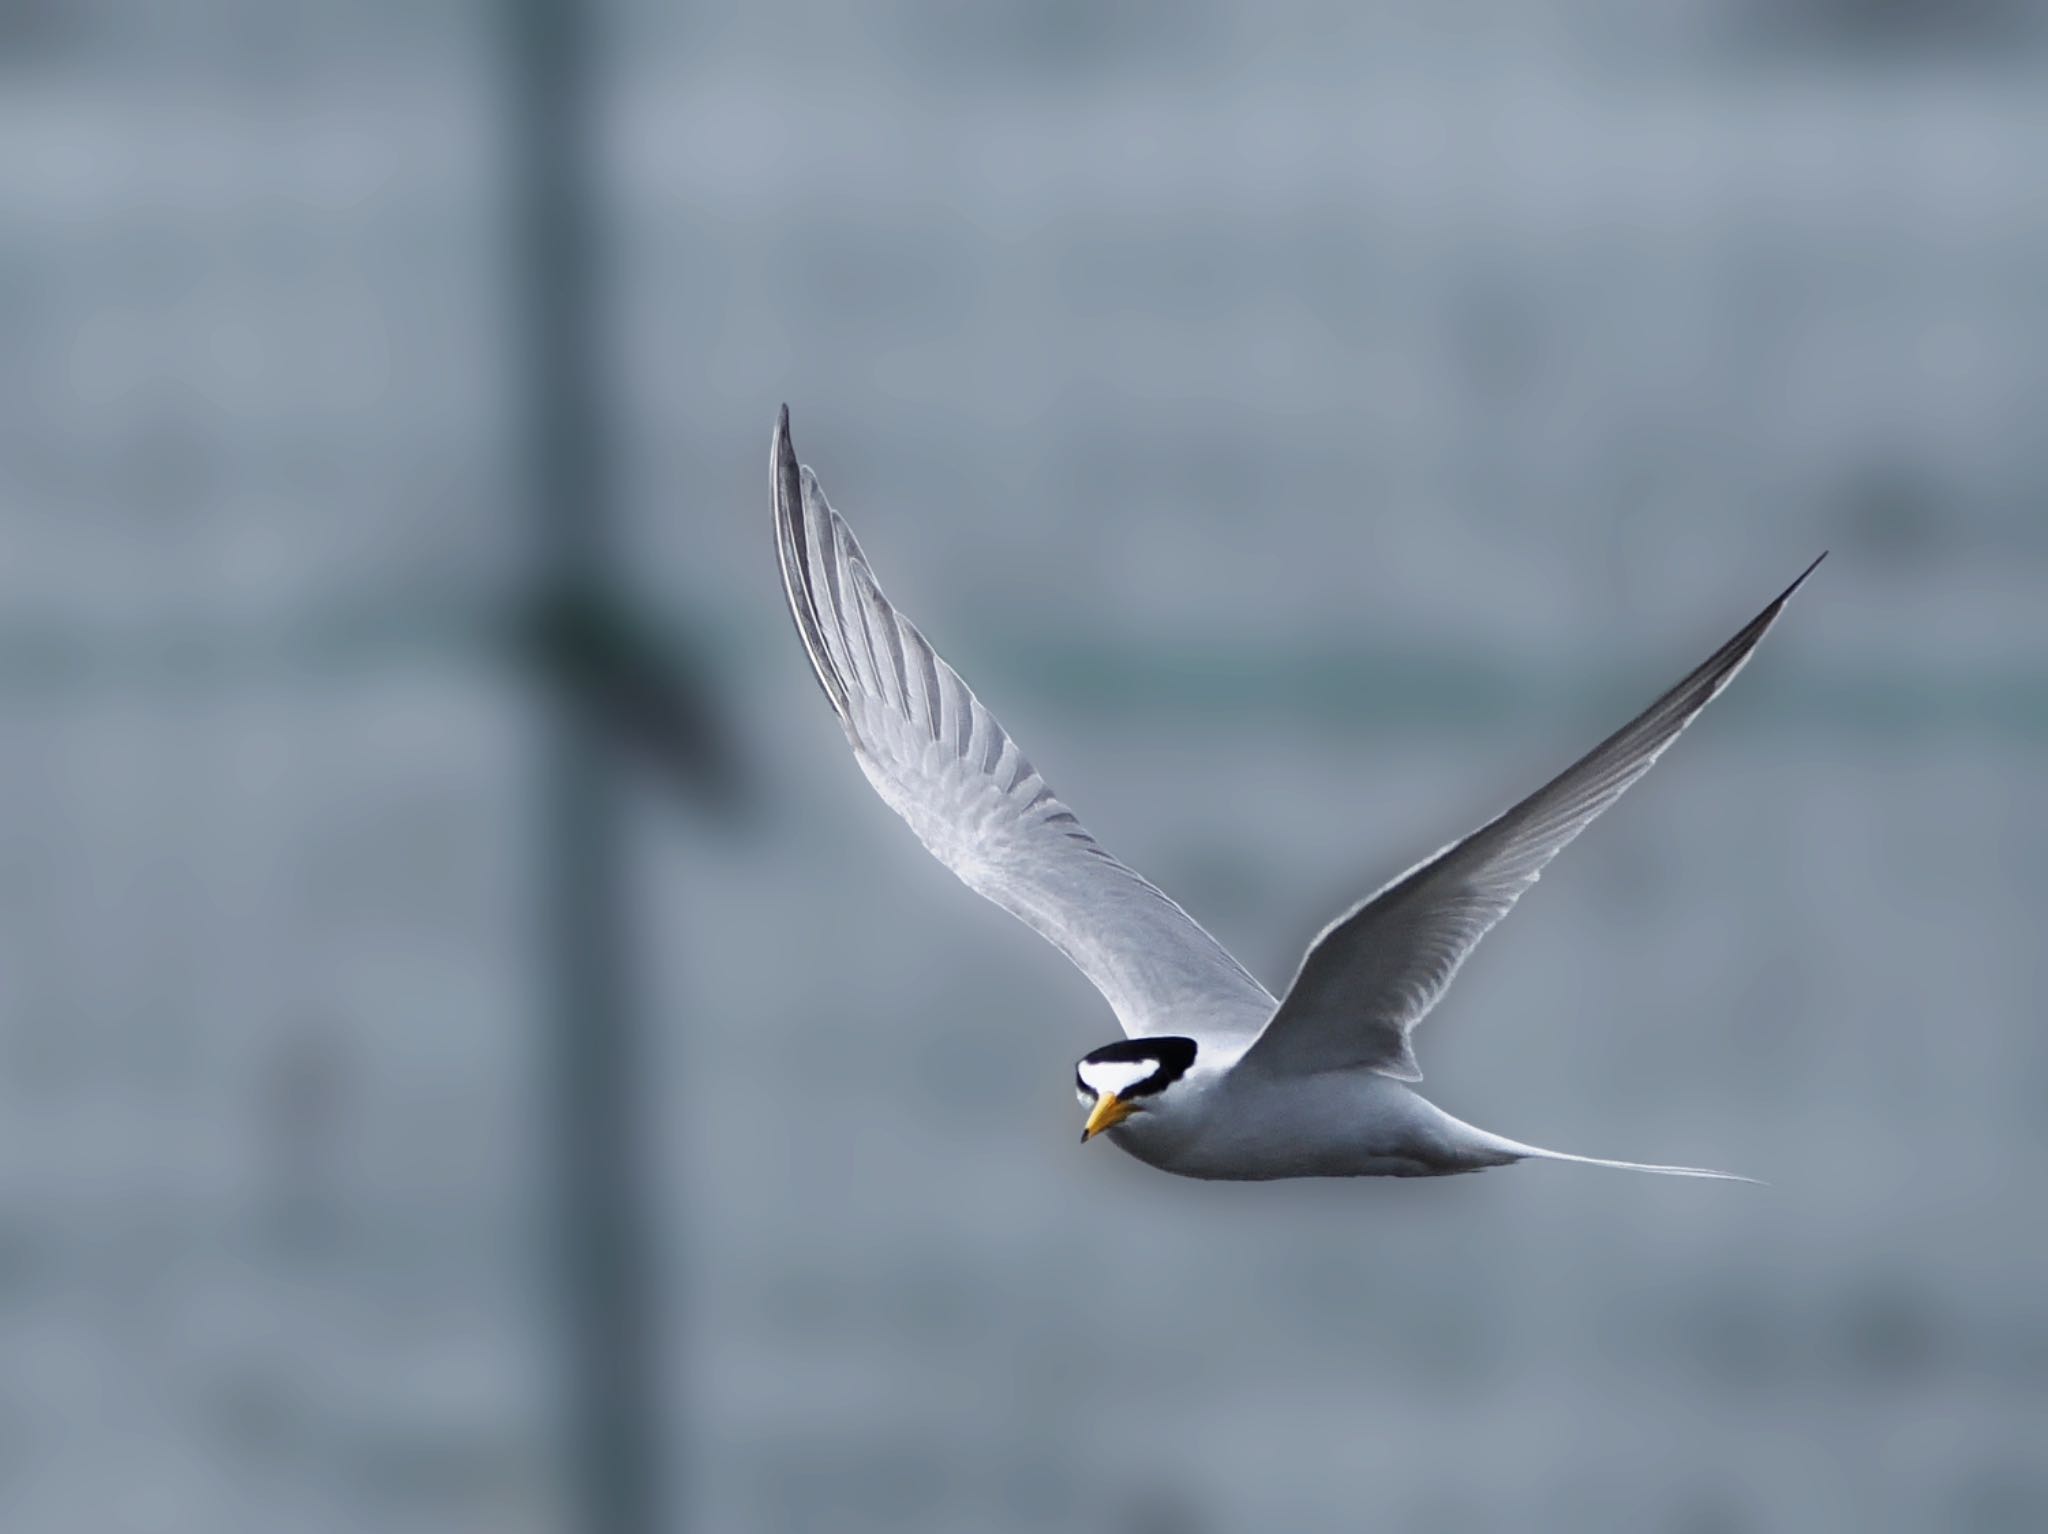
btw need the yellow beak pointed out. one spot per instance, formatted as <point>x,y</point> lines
<point>1109,1109</point>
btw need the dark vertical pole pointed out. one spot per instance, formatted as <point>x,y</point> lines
<point>599,1207</point>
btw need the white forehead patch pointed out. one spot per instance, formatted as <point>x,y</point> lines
<point>1116,1076</point>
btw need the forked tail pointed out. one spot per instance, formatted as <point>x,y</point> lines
<point>1537,1153</point>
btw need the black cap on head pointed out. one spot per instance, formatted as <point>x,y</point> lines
<point>1168,1058</point>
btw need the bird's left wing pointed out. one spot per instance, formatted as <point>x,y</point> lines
<point>1375,972</point>
<point>942,762</point>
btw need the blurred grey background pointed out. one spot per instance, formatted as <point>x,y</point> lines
<point>1308,427</point>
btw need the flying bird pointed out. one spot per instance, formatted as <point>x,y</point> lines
<point>1214,1078</point>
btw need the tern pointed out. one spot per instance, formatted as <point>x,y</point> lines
<point>1214,1078</point>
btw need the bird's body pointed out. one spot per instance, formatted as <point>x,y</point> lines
<point>1216,1078</point>
<point>1248,1127</point>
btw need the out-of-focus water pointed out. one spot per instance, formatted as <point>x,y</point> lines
<point>1308,429</point>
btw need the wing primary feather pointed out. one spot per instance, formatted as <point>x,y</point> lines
<point>791,547</point>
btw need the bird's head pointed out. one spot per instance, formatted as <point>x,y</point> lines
<point>1127,1077</point>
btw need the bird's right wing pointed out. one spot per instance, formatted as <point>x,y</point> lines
<point>942,762</point>
<point>1375,972</point>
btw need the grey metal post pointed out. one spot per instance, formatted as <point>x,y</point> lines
<point>600,1209</point>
